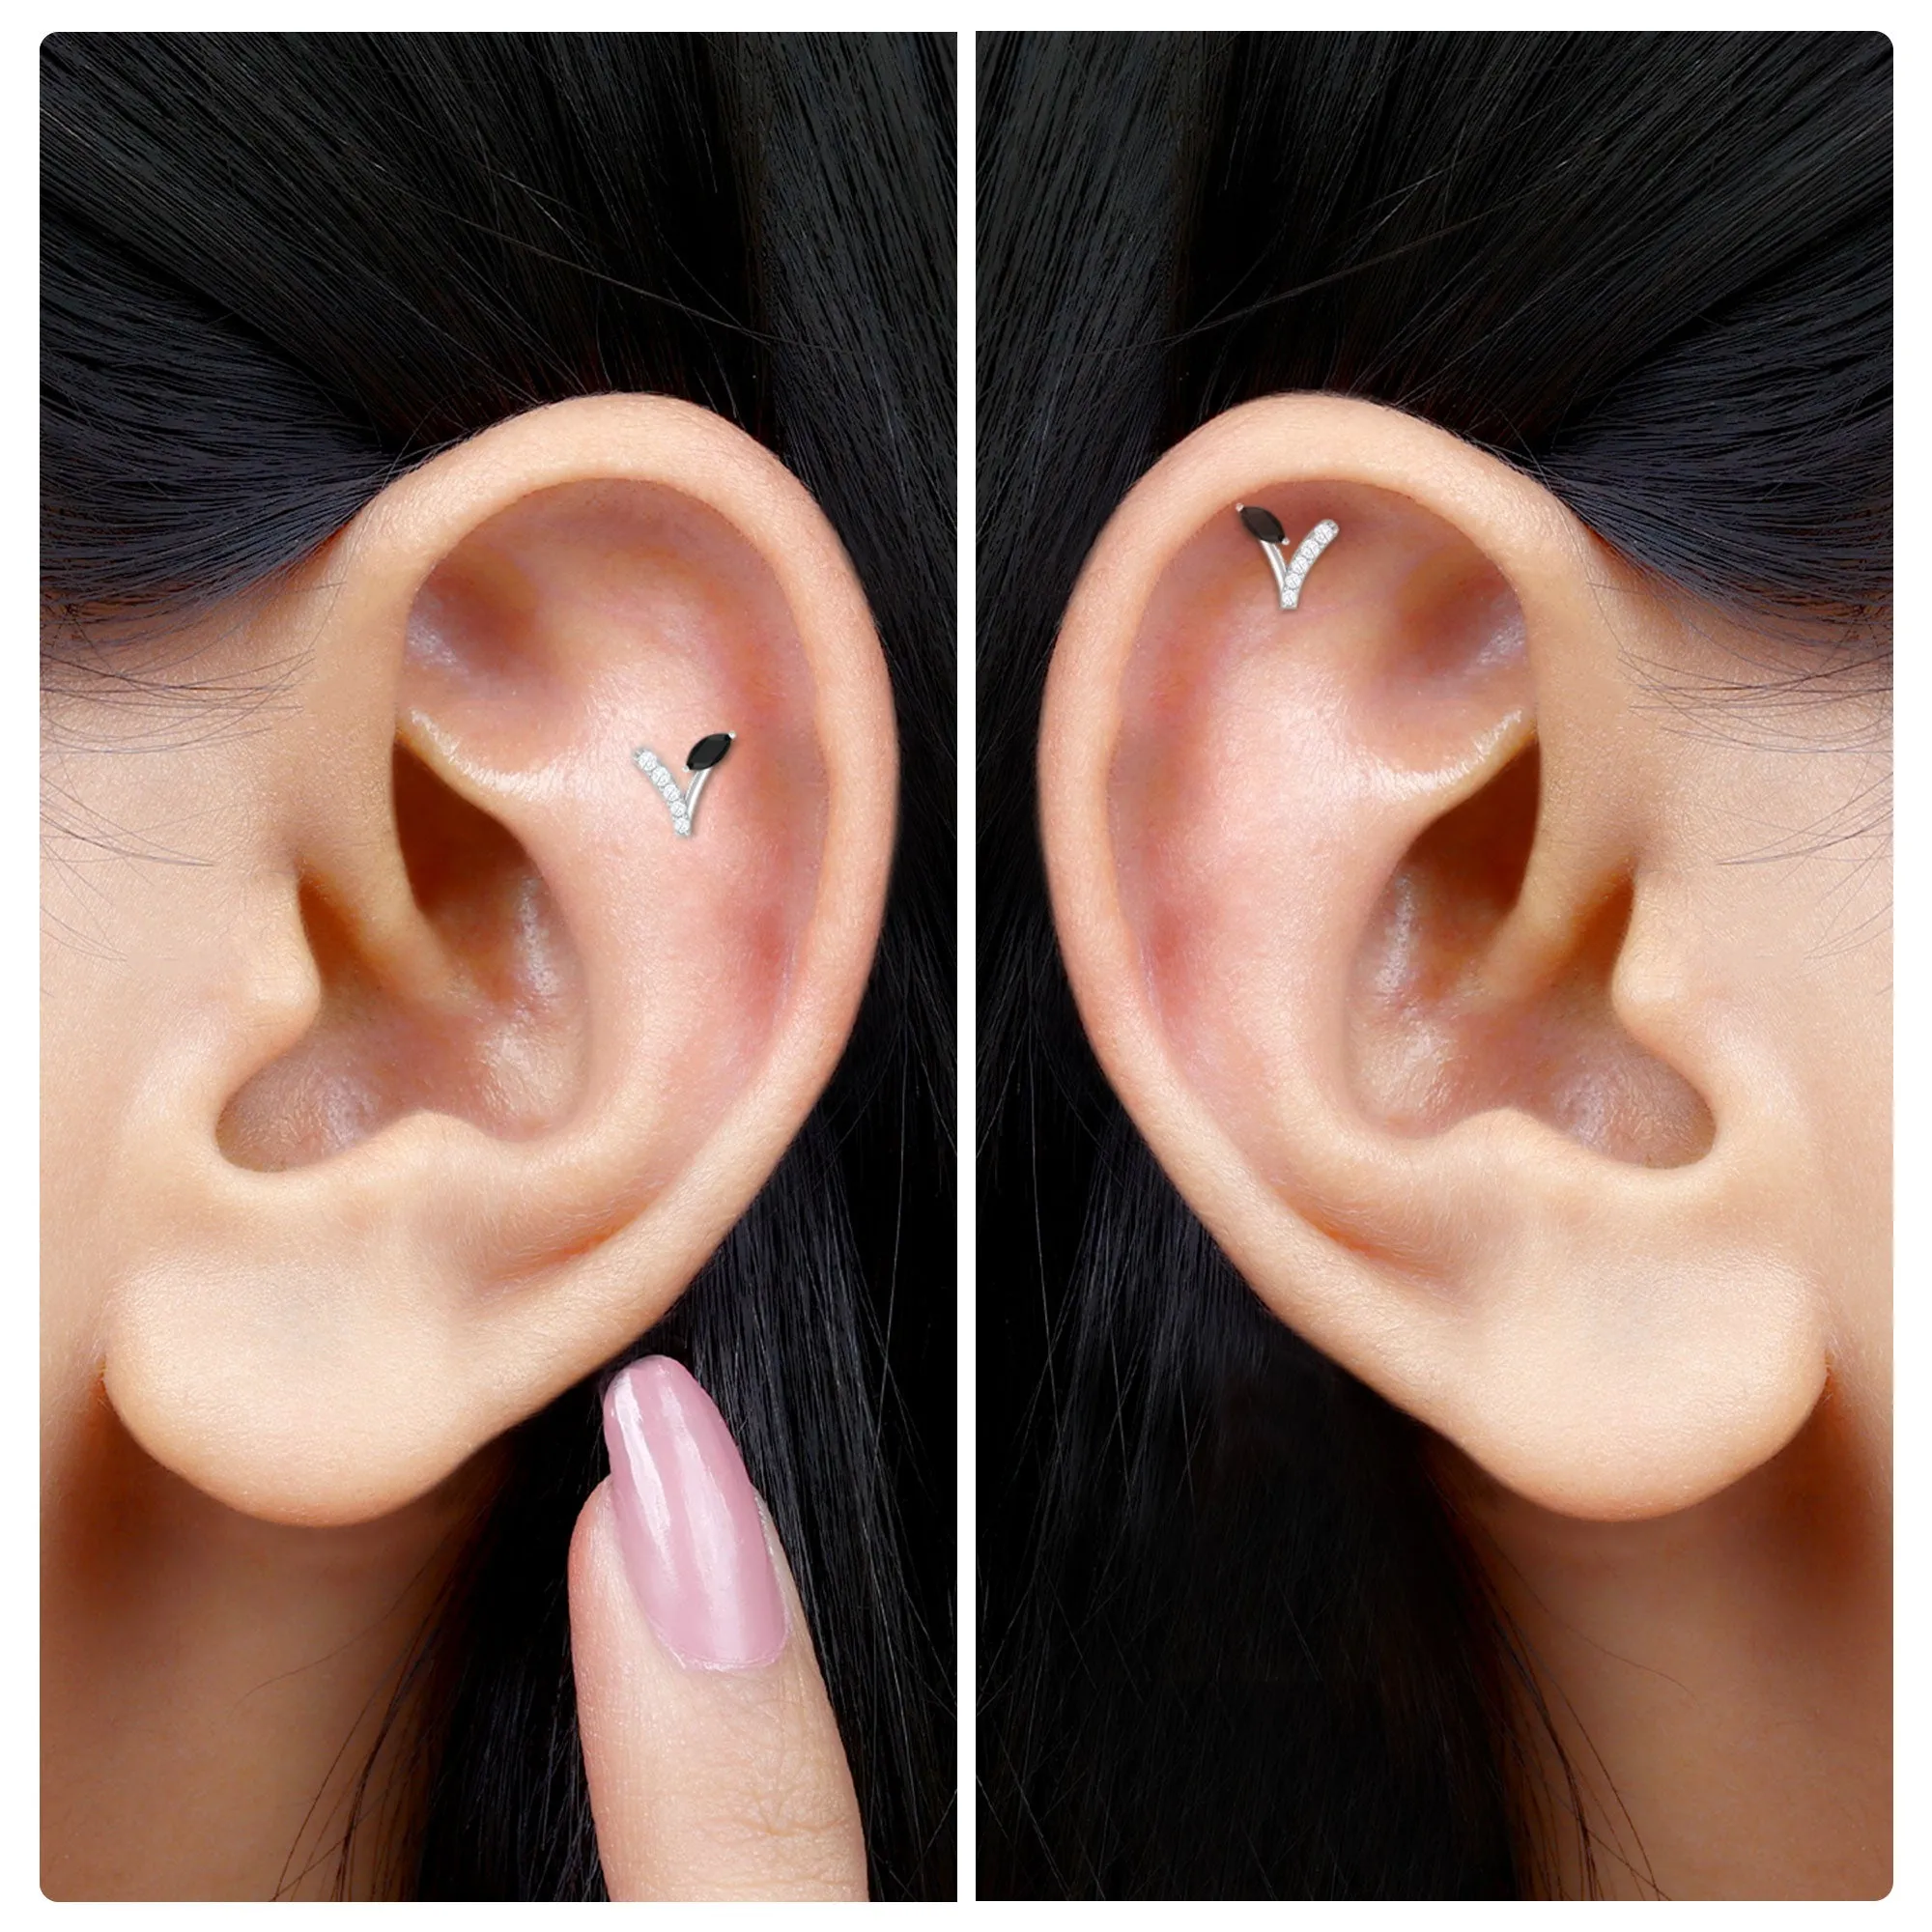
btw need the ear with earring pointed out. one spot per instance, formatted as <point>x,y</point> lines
<point>444,1129</point>
<point>1423,1016</point>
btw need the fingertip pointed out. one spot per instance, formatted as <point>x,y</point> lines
<point>595,1529</point>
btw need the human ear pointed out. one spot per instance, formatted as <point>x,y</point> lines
<point>471,1056</point>
<point>1404,930</point>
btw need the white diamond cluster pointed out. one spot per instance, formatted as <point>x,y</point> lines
<point>1302,561</point>
<point>654,768</point>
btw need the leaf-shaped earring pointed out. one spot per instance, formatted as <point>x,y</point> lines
<point>1264,526</point>
<point>702,760</point>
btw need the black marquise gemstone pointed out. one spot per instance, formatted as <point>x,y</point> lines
<point>1262,524</point>
<point>708,751</point>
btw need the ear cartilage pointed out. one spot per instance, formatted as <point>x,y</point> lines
<point>702,760</point>
<point>1291,573</point>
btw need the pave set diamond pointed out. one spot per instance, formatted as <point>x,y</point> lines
<point>1303,560</point>
<point>654,768</point>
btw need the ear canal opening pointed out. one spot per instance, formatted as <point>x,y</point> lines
<point>495,1038</point>
<point>1431,1044</point>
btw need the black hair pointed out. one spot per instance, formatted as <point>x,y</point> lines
<point>1238,1642</point>
<point>277,272</point>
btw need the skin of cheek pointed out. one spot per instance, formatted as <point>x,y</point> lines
<point>1787,849</point>
<point>152,871</point>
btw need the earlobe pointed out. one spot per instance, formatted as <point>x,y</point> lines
<point>509,1034</point>
<point>1378,915</point>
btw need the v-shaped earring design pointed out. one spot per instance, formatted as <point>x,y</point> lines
<point>702,760</point>
<point>1264,526</point>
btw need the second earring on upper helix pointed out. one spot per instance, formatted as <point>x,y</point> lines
<point>1289,573</point>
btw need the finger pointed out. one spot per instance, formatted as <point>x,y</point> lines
<point>715,1765</point>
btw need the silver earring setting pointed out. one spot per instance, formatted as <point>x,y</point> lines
<point>700,761</point>
<point>1289,574</point>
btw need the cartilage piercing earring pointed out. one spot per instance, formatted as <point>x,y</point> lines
<point>1264,526</point>
<point>702,760</point>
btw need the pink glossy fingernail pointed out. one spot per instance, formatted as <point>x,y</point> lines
<point>688,1521</point>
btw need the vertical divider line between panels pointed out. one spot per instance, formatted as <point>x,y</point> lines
<point>966,1142</point>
